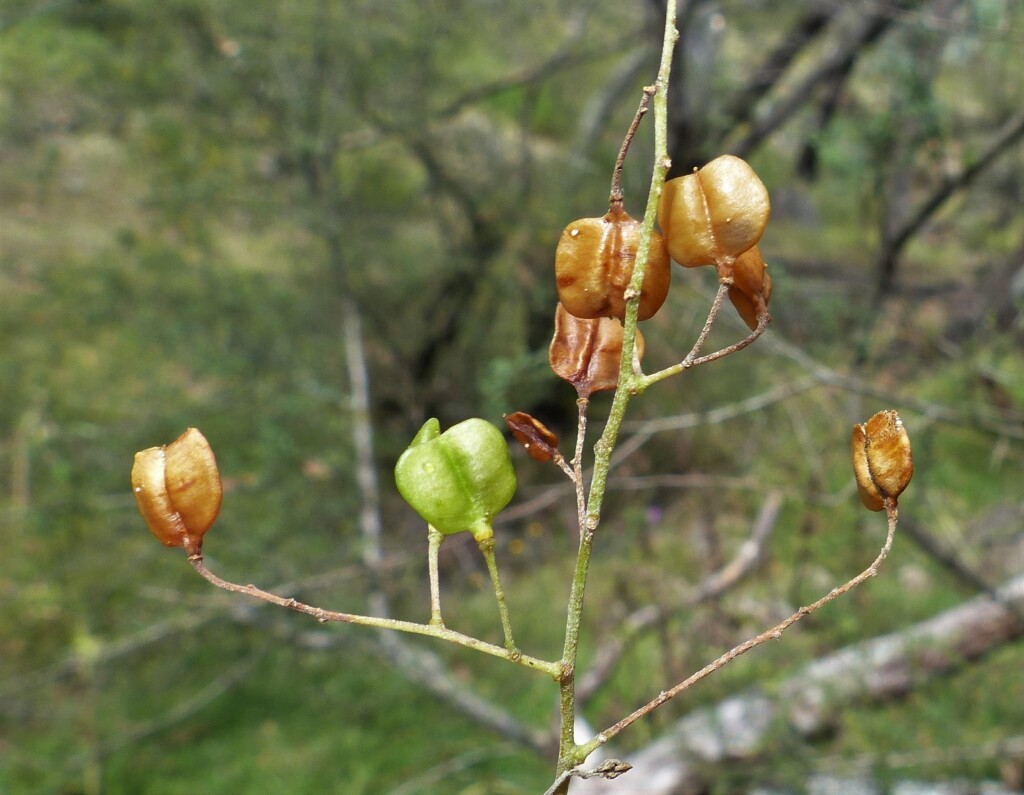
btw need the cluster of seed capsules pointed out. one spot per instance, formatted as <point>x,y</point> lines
<point>459,479</point>
<point>712,216</point>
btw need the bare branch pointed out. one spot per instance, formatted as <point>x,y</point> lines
<point>1011,131</point>
<point>770,634</point>
<point>874,670</point>
<point>324,616</point>
<point>746,560</point>
<point>807,27</point>
<point>871,27</point>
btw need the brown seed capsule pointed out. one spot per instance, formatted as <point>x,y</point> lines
<point>714,214</point>
<point>594,263</point>
<point>178,490</point>
<point>532,434</point>
<point>882,460</point>
<point>586,353</point>
<point>751,288</point>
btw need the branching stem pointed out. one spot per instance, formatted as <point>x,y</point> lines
<point>693,358</point>
<point>569,754</point>
<point>769,634</point>
<point>552,669</point>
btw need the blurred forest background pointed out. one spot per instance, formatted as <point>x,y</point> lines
<point>224,213</point>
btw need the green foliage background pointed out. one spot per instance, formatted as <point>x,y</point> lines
<point>189,189</point>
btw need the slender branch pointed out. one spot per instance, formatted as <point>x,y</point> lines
<point>1008,134</point>
<point>741,728</point>
<point>692,359</point>
<point>769,634</point>
<point>434,539</point>
<point>615,196</point>
<point>746,560</point>
<point>871,27</point>
<point>569,755</point>
<point>570,55</point>
<point>609,770</point>
<point>559,461</point>
<point>327,616</point>
<point>582,404</point>
<point>740,106</point>
<point>487,549</point>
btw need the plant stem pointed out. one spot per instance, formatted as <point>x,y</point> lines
<point>582,405</point>
<point>693,359</point>
<point>615,196</point>
<point>487,548</point>
<point>434,539</point>
<point>569,754</point>
<point>769,634</point>
<point>552,669</point>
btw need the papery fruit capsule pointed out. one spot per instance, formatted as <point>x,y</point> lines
<point>538,440</point>
<point>178,490</point>
<point>882,461</point>
<point>457,480</point>
<point>586,353</point>
<point>751,287</point>
<point>594,263</point>
<point>714,214</point>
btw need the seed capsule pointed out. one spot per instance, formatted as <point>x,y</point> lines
<point>538,440</point>
<point>457,480</point>
<point>751,288</point>
<point>882,460</point>
<point>713,215</point>
<point>594,263</point>
<point>178,490</point>
<point>586,353</point>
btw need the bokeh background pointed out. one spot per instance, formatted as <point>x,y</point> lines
<point>224,213</point>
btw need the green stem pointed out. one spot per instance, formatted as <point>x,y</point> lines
<point>487,548</point>
<point>434,539</point>
<point>552,669</point>
<point>569,754</point>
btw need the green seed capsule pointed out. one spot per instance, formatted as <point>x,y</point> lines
<point>457,480</point>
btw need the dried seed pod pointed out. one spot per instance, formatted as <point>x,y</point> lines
<point>586,353</point>
<point>751,288</point>
<point>713,215</point>
<point>594,263</point>
<point>178,490</point>
<point>882,460</point>
<point>457,480</point>
<point>532,434</point>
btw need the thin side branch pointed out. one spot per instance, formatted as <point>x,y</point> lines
<point>770,634</point>
<point>714,585</point>
<point>327,616</point>
<point>693,359</point>
<point>615,196</point>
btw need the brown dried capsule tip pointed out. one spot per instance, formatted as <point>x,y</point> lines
<point>178,490</point>
<point>533,435</point>
<point>594,263</point>
<point>882,460</point>
<point>751,288</point>
<point>713,215</point>
<point>586,353</point>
